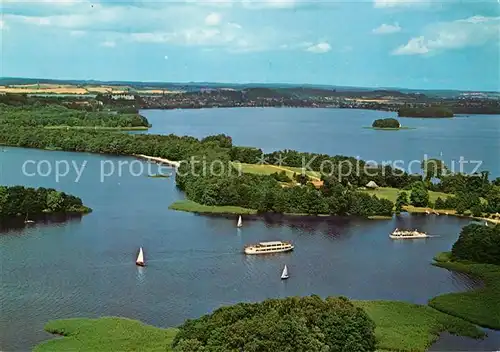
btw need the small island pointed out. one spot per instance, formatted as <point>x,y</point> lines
<point>428,111</point>
<point>25,203</point>
<point>390,124</point>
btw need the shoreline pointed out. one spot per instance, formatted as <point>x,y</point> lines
<point>189,206</point>
<point>98,128</point>
<point>158,160</point>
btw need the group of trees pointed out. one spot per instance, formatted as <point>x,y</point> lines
<point>478,243</point>
<point>59,115</point>
<point>386,123</point>
<point>94,141</point>
<point>425,111</point>
<point>19,201</point>
<point>266,194</point>
<point>286,325</point>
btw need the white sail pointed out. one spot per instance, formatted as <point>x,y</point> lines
<point>284,274</point>
<point>140,257</point>
<point>240,222</point>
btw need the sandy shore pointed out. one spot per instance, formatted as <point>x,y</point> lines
<point>176,164</point>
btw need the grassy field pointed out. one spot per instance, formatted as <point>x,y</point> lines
<point>190,206</point>
<point>271,169</point>
<point>477,306</point>
<point>106,334</point>
<point>402,326</point>
<point>101,128</point>
<point>392,194</point>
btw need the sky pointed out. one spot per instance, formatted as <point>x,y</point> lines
<point>422,44</point>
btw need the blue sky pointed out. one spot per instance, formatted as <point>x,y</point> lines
<point>446,44</point>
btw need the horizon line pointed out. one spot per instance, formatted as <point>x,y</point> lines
<point>299,85</point>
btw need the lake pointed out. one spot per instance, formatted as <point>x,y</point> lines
<point>195,264</point>
<point>340,131</point>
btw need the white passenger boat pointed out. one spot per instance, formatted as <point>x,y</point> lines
<point>268,247</point>
<point>407,234</point>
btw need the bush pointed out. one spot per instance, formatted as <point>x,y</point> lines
<point>386,123</point>
<point>287,325</point>
<point>281,177</point>
<point>478,243</point>
<point>419,196</point>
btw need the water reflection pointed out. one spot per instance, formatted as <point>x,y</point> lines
<point>141,278</point>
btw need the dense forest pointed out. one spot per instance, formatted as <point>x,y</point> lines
<point>22,201</point>
<point>478,243</point>
<point>266,194</point>
<point>286,325</point>
<point>58,115</point>
<point>428,111</point>
<point>386,123</point>
<point>94,141</point>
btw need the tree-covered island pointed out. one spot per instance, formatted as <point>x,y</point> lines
<point>21,202</point>
<point>390,124</point>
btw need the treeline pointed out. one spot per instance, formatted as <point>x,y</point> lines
<point>427,111</point>
<point>286,325</point>
<point>58,115</point>
<point>473,194</point>
<point>166,146</point>
<point>478,243</point>
<point>22,201</point>
<point>267,195</point>
<point>386,123</point>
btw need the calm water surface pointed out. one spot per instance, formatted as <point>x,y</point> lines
<point>340,131</point>
<point>87,267</point>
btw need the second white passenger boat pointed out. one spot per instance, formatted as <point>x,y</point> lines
<point>407,234</point>
<point>268,247</point>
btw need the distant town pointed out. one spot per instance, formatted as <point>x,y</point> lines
<point>171,96</point>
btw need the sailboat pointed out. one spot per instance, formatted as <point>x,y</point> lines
<point>284,274</point>
<point>240,222</point>
<point>27,221</point>
<point>140,258</point>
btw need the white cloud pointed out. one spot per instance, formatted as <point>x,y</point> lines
<point>213,19</point>
<point>319,48</point>
<point>387,29</point>
<point>472,31</point>
<point>400,3</point>
<point>108,44</point>
<point>415,46</point>
<point>268,4</point>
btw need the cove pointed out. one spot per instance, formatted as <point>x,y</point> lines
<point>87,268</point>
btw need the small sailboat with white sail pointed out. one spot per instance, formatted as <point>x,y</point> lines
<point>140,258</point>
<point>240,222</point>
<point>284,274</point>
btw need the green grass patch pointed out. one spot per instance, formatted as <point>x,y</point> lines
<point>271,169</point>
<point>106,334</point>
<point>190,206</point>
<point>392,193</point>
<point>480,306</point>
<point>100,128</point>
<point>160,176</point>
<point>402,326</point>
<point>380,217</point>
